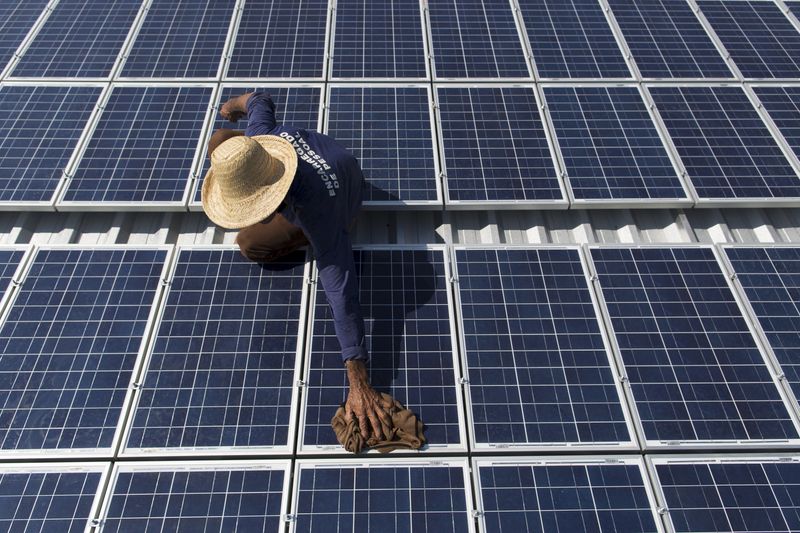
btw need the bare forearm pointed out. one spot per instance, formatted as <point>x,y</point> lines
<point>357,373</point>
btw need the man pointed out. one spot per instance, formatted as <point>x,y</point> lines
<point>285,187</point>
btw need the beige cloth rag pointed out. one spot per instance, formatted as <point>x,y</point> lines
<point>406,431</point>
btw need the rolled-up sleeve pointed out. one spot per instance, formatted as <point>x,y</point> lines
<point>260,115</point>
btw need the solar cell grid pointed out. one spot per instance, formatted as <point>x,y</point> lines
<point>783,106</point>
<point>378,40</point>
<point>610,146</point>
<point>143,147</point>
<point>389,130</point>
<point>80,38</point>
<point>667,40</point>
<point>17,17</point>
<point>70,342</point>
<point>572,39</point>
<point>494,146</point>
<point>9,263</point>
<point>726,148</point>
<point>536,362</point>
<point>222,370</point>
<point>183,39</point>
<point>695,372</point>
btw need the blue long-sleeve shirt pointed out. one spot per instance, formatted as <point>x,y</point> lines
<point>323,199</point>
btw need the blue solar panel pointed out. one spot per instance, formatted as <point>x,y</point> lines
<point>385,497</point>
<point>771,280</point>
<point>572,39</point>
<point>731,495</point>
<point>475,39</point>
<point>180,39</point>
<point>197,497</point>
<point>17,17</point>
<point>759,37</point>
<point>390,132</point>
<point>222,369</point>
<point>298,106</point>
<point>143,147</point>
<point>70,343</point>
<point>405,304</point>
<point>494,145</point>
<point>9,262</point>
<point>537,366</point>
<point>54,498</point>
<point>39,130</point>
<point>783,106</point>
<point>565,496</point>
<point>610,146</point>
<point>695,371</point>
<point>667,40</point>
<point>80,38</point>
<point>378,40</point>
<point>278,39</point>
<point>726,148</point>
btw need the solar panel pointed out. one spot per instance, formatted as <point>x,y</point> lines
<point>386,496</point>
<point>52,497</point>
<point>475,39</point>
<point>277,39</point>
<point>761,40</point>
<point>667,40</point>
<point>197,496</point>
<point>770,277</point>
<point>224,363</point>
<point>572,39</point>
<point>142,150</point>
<point>378,40</point>
<point>695,372</point>
<point>783,106</point>
<point>80,38</point>
<point>183,39</point>
<point>16,20</point>
<point>727,150</point>
<point>535,360</point>
<point>39,131</point>
<point>495,148</point>
<point>10,259</point>
<point>70,342</point>
<point>730,494</point>
<point>389,129</point>
<point>296,105</point>
<point>581,494</point>
<point>405,301</point>
<point>610,146</point>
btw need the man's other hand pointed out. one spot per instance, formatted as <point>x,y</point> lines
<point>365,404</point>
<point>235,108</point>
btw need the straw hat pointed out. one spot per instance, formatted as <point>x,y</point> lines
<point>248,179</point>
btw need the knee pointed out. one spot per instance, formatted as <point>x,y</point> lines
<point>219,137</point>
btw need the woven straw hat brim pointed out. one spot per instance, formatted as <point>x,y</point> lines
<point>238,213</point>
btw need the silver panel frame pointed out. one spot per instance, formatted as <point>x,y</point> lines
<point>23,45</point>
<point>9,293</point>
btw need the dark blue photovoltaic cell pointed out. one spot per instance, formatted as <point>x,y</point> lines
<point>771,280</point>
<point>405,307</point>
<point>543,498</point>
<point>475,39</point>
<point>572,39</point>
<point>667,40</point>
<point>279,39</point>
<point>218,498</point>
<point>39,129</point>
<point>223,364</point>
<point>495,147</point>
<point>378,40</point>
<point>298,106</point>
<point>9,261</point>
<point>46,501</point>
<point>69,345</point>
<point>783,106</point>
<point>695,371</point>
<point>381,498</point>
<point>761,40</point>
<point>732,496</point>
<point>81,38</point>
<point>726,148</point>
<point>610,146</point>
<point>143,147</point>
<point>180,39</point>
<point>536,363</point>
<point>389,130</point>
<point>17,17</point>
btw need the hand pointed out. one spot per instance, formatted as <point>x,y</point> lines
<point>231,110</point>
<point>365,404</point>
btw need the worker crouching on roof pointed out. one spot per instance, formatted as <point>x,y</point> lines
<point>285,187</point>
